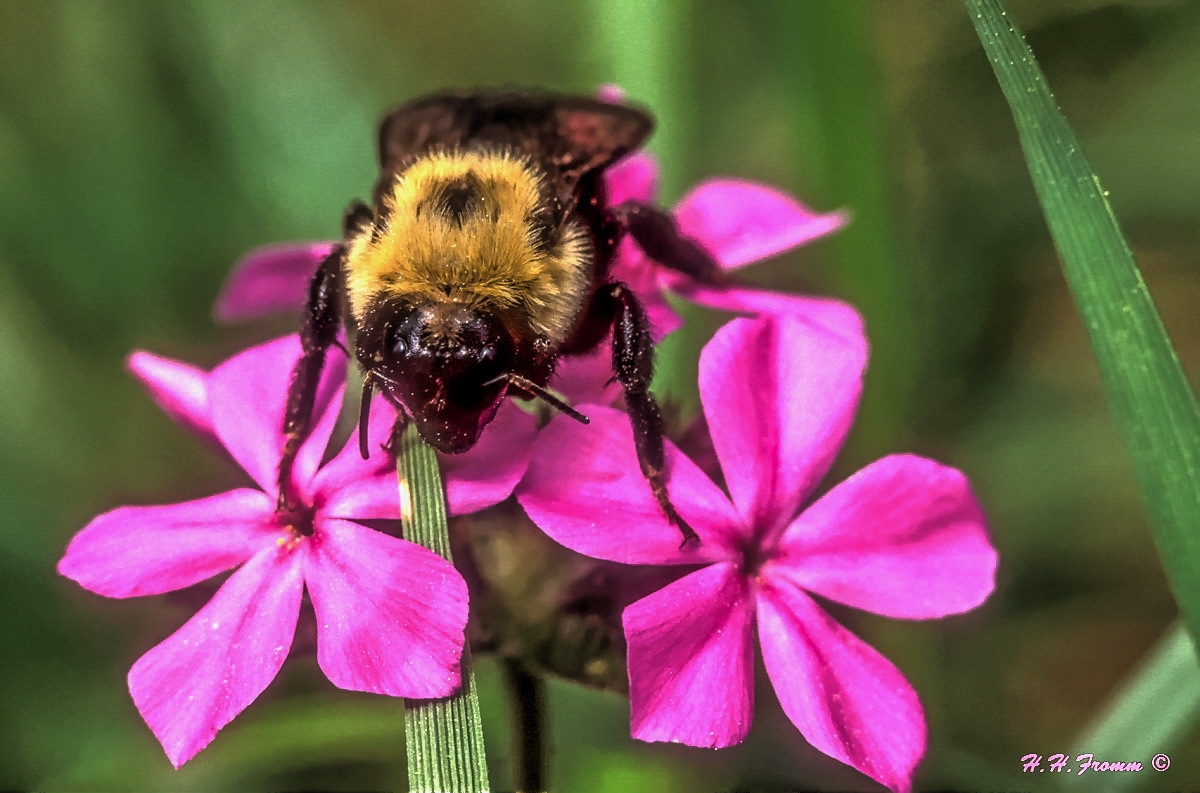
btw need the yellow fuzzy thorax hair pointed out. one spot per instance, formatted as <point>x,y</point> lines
<point>485,256</point>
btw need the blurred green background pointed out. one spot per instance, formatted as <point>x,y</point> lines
<point>144,146</point>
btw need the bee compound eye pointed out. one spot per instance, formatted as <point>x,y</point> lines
<point>404,337</point>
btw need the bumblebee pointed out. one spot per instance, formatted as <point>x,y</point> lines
<point>482,260</point>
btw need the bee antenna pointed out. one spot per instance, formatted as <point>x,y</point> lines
<point>382,377</point>
<point>364,417</point>
<point>541,393</point>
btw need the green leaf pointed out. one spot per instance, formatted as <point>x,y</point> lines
<point>444,737</point>
<point>1153,406</point>
<point>1149,713</point>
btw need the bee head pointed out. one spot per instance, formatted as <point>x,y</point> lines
<point>443,363</point>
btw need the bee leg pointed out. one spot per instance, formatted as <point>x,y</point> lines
<point>633,364</point>
<point>392,445</point>
<point>358,216</point>
<point>656,233</point>
<point>317,333</point>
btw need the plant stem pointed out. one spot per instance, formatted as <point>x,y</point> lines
<point>528,696</point>
<point>444,737</point>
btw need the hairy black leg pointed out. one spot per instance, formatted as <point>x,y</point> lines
<point>633,364</point>
<point>655,233</point>
<point>392,444</point>
<point>364,416</point>
<point>317,332</point>
<point>358,216</point>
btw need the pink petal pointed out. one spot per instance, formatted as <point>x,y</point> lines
<point>779,396</point>
<point>845,698</point>
<point>270,279</point>
<point>642,275</point>
<point>356,489</point>
<point>633,178</point>
<point>135,551</point>
<point>587,378</point>
<point>743,222</point>
<point>372,496</point>
<point>691,663</point>
<point>180,389</point>
<point>835,315</point>
<point>584,488</point>
<point>611,93</point>
<point>487,474</point>
<point>248,397</point>
<point>208,671</point>
<point>390,614</point>
<point>903,537</point>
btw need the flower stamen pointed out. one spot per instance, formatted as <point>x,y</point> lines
<point>298,521</point>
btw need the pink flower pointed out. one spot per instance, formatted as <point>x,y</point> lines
<point>739,223</point>
<point>390,614</point>
<point>270,279</point>
<point>904,537</point>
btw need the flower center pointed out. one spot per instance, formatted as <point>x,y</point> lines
<point>298,521</point>
<point>757,551</point>
<point>753,558</point>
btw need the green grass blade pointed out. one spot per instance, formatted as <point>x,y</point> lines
<point>444,737</point>
<point>1147,715</point>
<point>1153,406</point>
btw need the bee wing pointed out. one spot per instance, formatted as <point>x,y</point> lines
<point>568,136</point>
<point>595,134</point>
<point>436,121</point>
<point>576,134</point>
